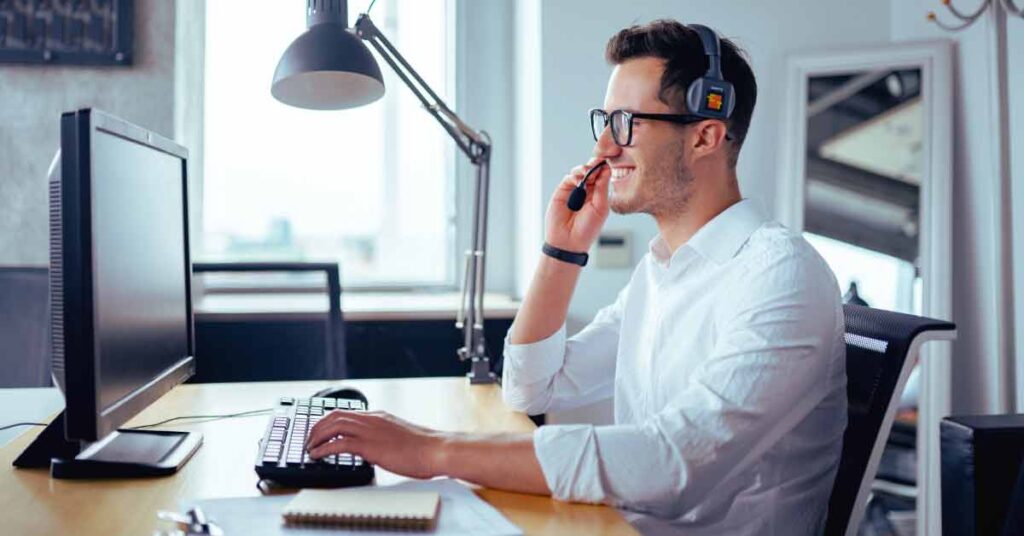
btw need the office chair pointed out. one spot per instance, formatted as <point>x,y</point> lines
<point>881,349</point>
<point>25,348</point>
<point>333,364</point>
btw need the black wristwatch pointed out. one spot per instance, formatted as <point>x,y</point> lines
<point>565,256</point>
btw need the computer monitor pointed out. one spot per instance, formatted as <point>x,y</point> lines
<point>120,292</point>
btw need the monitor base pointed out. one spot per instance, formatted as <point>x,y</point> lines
<point>50,443</point>
<point>122,454</point>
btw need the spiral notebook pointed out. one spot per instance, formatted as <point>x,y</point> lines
<point>364,508</point>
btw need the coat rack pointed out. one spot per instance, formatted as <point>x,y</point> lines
<point>966,19</point>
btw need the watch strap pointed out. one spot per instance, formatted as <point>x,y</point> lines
<point>565,256</point>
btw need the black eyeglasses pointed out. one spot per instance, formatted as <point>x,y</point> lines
<point>621,123</point>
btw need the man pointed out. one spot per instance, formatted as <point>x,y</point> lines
<point>724,353</point>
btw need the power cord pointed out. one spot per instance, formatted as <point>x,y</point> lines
<point>17,424</point>
<point>208,418</point>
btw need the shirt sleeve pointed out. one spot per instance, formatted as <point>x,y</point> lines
<point>555,374</point>
<point>770,367</point>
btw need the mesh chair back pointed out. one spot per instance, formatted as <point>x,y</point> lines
<point>334,364</point>
<point>879,345</point>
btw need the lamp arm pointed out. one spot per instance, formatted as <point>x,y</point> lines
<point>469,140</point>
<point>477,146</point>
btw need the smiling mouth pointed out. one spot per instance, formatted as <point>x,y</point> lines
<point>620,174</point>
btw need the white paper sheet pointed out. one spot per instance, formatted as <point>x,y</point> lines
<point>462,513</point>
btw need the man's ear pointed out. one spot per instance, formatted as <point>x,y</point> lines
<point>708,137</point>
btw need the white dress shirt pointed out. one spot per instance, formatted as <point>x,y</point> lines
<point>726,363</point>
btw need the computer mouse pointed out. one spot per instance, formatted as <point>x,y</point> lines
<point>342,392</point>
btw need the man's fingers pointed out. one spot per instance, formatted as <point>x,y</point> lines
<point>335,424</point>
<point>340,445</point>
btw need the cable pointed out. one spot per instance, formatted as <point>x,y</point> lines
<point>208,417</point>
<point>9,426</point>
<point>165,421</point>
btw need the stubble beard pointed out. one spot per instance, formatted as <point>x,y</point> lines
<point>661,189</point>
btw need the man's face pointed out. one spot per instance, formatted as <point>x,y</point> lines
<point>650,175</point>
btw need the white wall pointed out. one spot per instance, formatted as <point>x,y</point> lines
<point>31,101</point>
<point>986,208</point>
<point>484,99</point>
<point>983,207</point>
<point>573,74</point>
<point>1015,59</point>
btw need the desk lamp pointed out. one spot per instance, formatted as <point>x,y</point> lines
<point>329,68</point>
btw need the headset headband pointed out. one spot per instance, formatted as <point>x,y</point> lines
<point>712,48</point>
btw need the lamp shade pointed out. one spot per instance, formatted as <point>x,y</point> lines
<point>327,68</point>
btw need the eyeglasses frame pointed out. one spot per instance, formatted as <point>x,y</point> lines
<point>680,119</point>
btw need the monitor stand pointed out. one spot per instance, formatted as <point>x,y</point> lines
<point>122,454</point>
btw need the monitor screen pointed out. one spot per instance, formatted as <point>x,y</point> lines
<point>141,318</point>
<point>120,271</point>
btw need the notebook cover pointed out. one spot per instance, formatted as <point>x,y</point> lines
<point>364,508</point>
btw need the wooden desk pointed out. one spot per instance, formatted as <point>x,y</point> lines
<point>32,503</point>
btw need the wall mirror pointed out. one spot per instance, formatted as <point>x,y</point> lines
<point>866,174</point>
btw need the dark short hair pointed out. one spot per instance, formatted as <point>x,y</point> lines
<point>685,61</point>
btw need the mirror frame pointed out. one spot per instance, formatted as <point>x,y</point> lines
<point>934,59</point>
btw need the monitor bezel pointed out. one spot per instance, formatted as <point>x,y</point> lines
<point>85,420</point>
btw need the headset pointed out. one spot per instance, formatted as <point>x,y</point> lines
<point>710,96</point>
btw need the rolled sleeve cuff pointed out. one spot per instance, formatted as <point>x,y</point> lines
<point>529,363</point>
<point>569,460</point>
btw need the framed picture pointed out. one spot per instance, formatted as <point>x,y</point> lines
<point>66,32</point>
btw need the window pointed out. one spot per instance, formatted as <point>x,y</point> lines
<point>371,188</point>
<point>883,281</point>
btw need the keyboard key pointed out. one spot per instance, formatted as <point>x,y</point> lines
<point>317,402</point>
<point>287,400</point>
<point>330,403</point>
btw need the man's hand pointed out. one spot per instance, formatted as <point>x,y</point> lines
<point>380,438</point>
<point>576,231</point>
<point>502,461</point>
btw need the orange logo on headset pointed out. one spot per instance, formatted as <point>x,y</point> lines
<point>715,102</point>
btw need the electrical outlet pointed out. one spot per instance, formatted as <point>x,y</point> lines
<point>614,249</point>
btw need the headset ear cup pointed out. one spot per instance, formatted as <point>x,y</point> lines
<point>694,96</point>
<point>730,98</point>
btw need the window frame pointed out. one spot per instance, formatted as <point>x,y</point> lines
<point>457,226</point>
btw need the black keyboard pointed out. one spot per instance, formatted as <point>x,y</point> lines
<point>282,457</point>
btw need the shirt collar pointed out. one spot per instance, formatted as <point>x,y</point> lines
<point>720,238</point>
